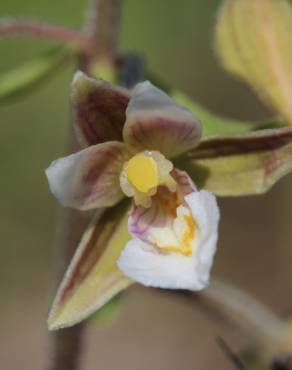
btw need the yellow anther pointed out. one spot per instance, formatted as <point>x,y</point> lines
<point>142,172</point>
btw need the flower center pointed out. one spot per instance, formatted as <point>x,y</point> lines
<point>179,236</point>
<point>142,172</point>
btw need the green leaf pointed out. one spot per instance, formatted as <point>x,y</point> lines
<point>240,164</point>
<point>254,42</point>
<point>211,123</point>
<point>23,78</point>
<point>93,278</point>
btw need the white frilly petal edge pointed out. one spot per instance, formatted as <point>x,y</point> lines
<point>140,262</point>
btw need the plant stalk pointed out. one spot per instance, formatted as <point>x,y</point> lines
<point>20,27</point>
<point>102,29</point>
<point>66,344</point>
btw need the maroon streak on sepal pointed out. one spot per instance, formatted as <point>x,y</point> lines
<point>99,110</point>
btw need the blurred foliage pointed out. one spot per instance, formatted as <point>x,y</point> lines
<point>211,123</point>
<point>260,54</point>
<point>20,80</point>
<point>108,313</point>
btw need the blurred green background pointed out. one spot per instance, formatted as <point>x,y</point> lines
<point>255,240</point>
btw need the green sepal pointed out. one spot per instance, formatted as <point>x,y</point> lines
<point>93,278</point>
<point>241,164</point>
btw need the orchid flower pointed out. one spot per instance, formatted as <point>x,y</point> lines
<point>143,147</point>
<point>173,226</point>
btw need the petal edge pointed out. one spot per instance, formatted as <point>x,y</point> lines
<point>92,277</point>
<point>90,178</point>
<point>99,110</point>
<point>156,122</point>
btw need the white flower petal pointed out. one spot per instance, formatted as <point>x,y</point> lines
<point>143,263</point>
<point>205,211</point>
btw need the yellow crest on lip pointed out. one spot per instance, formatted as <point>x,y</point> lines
<point>142,172</point>
<point>184,247</point>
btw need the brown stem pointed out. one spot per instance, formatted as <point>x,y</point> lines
<point>66,348</point>
<point>66,344</point>
<point>19,27</point>
<point>102,30</point>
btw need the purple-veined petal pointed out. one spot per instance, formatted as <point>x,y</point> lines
<point>99,110</point>
<point>163,208</point>
<point>155,266</point>
<point>185,184</point>
<point>145,264</point>
<point>90,178</point>
<point>93,277</point>
<point>156,122</point>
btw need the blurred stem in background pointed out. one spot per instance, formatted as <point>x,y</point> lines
<point>102,29</point>
<point>14,27</point>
